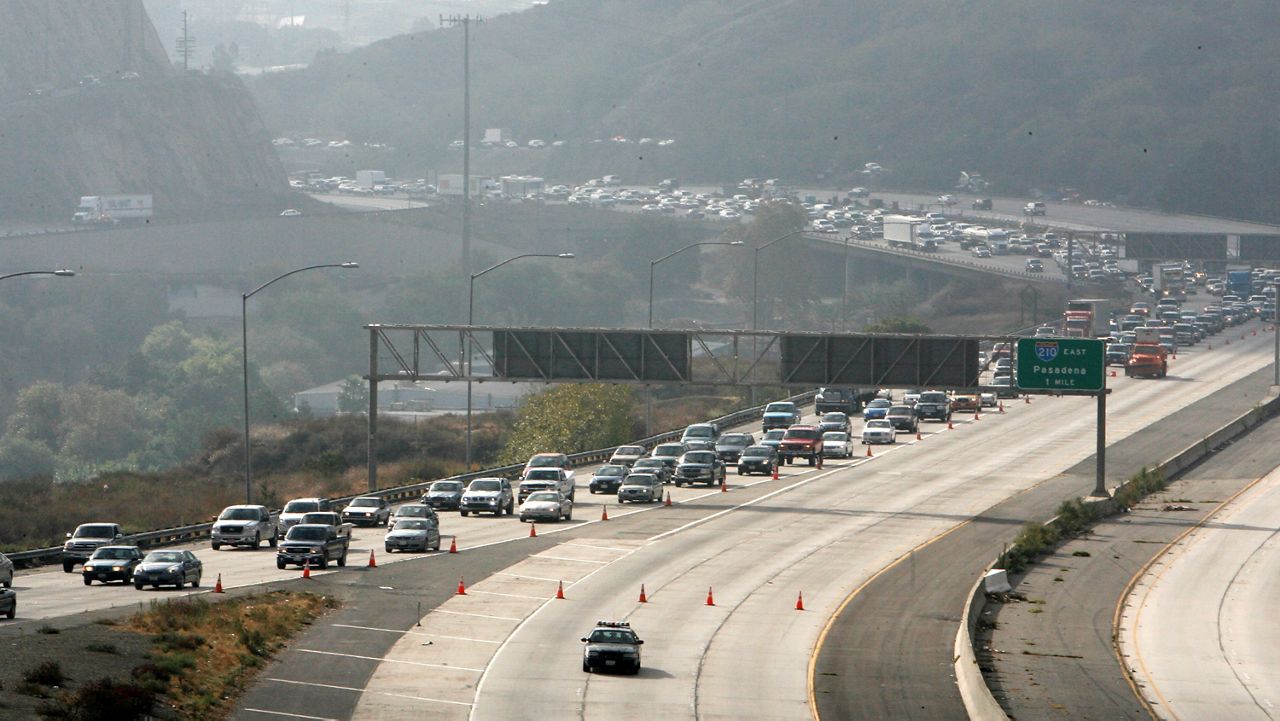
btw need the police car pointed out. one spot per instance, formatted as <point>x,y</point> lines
<point>611,645</point>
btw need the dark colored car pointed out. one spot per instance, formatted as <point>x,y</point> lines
<point>611,646</point>
<point>656,466</point>
<point>935,405</point>
<point>758,459</point>
<point>835,421</point>
<point>444,495</point>
<point>606,479</point>
<point>1118,353</point>
<point>903,418</point>
<point>700,467</point>
<point>8,602</point>
<point>730,446</point>
<point>773,438</point>
<point>112,563</point>
<point>164,568</point>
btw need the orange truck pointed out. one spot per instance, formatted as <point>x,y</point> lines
<point>1148,359</point>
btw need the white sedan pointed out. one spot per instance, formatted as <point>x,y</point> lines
<point>988,400</point>
<point>878,430</point>
<point>546,504</point>
<point>836,444</point>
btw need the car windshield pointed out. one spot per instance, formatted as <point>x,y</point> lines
<point>878,423</point>
<point>414,511</point>
<point>446,487</point>
<point>774,435</point>
<point>96,531</point>
<point>485,485</point>
<point>553,461</point>
<point>641,479</point>
<point>834,418</point>
<point>239,514</point>
<point>301,506</point>
<point>835,436</point>
<point>612,636</point>
<point>113,552</point>
<point>668,449</point>
<point>413,524</point>
<point>365,503</point>
<point>735,439</point>
<point>901,411</point>
<point>879,403</point>
<point>164,557</point>
<point>305,533</point>
<point>758,451</point>
<point>699,457</point>
<point>780,408</point>
<point>544,497</point>
<point>611,471</point>
<point>699,432</point>
<point>324,518</point>
<point>543,474</point>
<point>630,450</point>
<point>934,397</point>
<point>647,463</point>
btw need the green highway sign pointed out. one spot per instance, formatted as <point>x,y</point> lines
<point>1061,364</point>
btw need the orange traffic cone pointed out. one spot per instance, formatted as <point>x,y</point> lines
<point>1113,374</point>
<point>373,562</point>
<point>217,587</point>
<point>1002,406</point>
<point>1027,398</point>
<point>775,471</point>
<point>723,487</point>
<point>604,513</point>
<point>560,591</point>
<point>800,601</point>
<point>869,450</point>
<point>453,545</point>
<point>306,568</point>
<point>919,437</point>
<point>462,587</point>
<point>949,426</point>
<point>533,530</point>
<point>643,598</point>
<point>711,601</point>
<point>668,501</point>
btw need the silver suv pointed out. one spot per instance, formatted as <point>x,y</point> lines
<point>488,495</point>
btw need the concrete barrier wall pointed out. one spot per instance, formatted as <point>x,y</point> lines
<point>979,702</point>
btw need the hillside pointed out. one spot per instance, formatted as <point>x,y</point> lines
<point>93,106</point>
<point>1161,103</point>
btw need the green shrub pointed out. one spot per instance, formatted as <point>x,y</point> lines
<point>103,700</point>
<point>46,673</point>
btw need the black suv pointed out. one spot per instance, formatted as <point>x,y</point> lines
<point>612,645</point>
<point>935,405</point>
<point>729,446</point>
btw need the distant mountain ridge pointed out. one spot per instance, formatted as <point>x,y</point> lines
<point>1167,103</point>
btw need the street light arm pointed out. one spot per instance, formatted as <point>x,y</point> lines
<point>784,237</point>
<point>518,257</point>
<point>63,273</point>
<point>251,293</point>
<point>695,245</point>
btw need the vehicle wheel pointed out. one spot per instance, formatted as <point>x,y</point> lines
<point>813,460</point>
<point>275,539</point>
<point>137,585</point>
<point>196,583</point>
<point>342,560</point>
<point>437,546</point>
<point>679,484</point>
<point>279,564</point>
<point>593,491</point>
<point>388,548</point>
<point>67,566</point>
<point>569,516</point>
<point>257,541</point>
<point>635,670</point>
<point>216,546</point>
<point>88,581</point>
<point>464,513</point>
<point>13,611</point>
<point>182,583</point>
<point>740,472</point>
<point>585,667</point>
<point>323,562</point>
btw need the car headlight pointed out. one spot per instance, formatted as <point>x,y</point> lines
<point>117,568</point>
<point>173,569</point>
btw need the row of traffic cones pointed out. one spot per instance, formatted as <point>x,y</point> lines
<point>644,597</point>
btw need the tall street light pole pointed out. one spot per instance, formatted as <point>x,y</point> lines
<point>61,273</point>
<point>755,294</point>
<point>471,311</point>
<point>654,263</point>
<point>244,360</point>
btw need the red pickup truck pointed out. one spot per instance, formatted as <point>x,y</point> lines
<point>801,442</point>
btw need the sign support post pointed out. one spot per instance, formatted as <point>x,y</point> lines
<point>1100,483</point>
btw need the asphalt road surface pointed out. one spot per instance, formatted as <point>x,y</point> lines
<point>509,650</point>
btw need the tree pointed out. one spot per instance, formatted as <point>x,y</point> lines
<point>39,415</point>
<point>354,397</point>
<point>24,458</point>
<point>570,419</point>
<point>899,324</point>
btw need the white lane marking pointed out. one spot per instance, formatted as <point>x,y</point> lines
<point>488,665</point>
<point>290,715</point>
<point>575,544</point>
<point>506,595</point>
<point>390,660</point>
<point>531,578</point>
<point>360,690</point>
<point>476,615</point>
<point>414,633</point>
<point>572,560</point>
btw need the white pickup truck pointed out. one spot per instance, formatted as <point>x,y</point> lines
<point>550,460</point>
<point>244,526</point>
<point>545,479</point>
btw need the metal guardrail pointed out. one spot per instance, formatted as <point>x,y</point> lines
<point>935,258</point>
<point>167,536</point>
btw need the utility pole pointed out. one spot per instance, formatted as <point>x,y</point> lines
<point>465,21</point>
<point>186,44</point>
